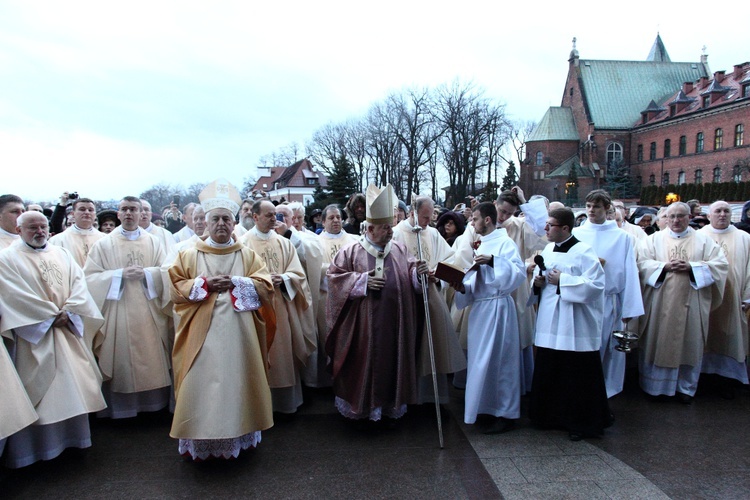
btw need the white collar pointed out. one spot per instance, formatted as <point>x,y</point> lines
<point>132,235</point>
<point>340,234</point>
<point>214,244</point>
<point>261,235</point>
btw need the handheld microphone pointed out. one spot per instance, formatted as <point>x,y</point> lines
<point>539,261</point>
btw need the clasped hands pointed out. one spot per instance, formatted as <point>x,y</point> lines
<point>677,266</point>
<point>219,284</point>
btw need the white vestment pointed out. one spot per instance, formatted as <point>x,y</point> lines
<point>493,383</point>
<point>527,233</point>
<point>77,241</point>
<point>56,367</point>
<point>133,350</point>
<point>449,357</point>
<point>316,373</point>
<point>677,306</point>
<point>570,315</point>
<point>727,342</point>
<point>622,292</point>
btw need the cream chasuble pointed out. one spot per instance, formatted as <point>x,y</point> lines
<point>77,241</point>
<point>133,349</point>
<point>675,323</point>
<point>727,330</point>
<point>16,411</point>
<point>295,336</point>
<point>7,239</point>
<point>54,364</point>
<point>220,353</point>
<point>449,357</point>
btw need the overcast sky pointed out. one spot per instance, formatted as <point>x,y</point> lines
<point>110,98</point>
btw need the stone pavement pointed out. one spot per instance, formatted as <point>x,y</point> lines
<point>654,450</point>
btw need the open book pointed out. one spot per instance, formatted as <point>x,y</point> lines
<point>453,274</point>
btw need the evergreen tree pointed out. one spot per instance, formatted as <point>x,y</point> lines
<point>511,177</point>
<point>618,181</point>
<point>342,182</point>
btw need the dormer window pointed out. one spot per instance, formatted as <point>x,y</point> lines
<point>706,101</point>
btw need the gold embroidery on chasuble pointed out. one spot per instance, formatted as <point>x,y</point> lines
<point>678,250</point>
<point>50,273</point>
<point>135,258</point>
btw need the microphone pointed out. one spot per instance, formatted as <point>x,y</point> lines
<point>539,261</point>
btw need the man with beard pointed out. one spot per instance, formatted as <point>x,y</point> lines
<point>46,317</point>
<point>124,276</point>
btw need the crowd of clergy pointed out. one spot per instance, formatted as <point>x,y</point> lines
<point>225,311</point>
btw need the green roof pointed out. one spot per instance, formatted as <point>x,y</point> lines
<point>557,125</point>
<point>617,91</point>
<point>564,169</point>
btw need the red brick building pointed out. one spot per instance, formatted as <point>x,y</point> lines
<point>296,182</point>
<point>670,123</point>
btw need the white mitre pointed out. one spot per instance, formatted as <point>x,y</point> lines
<point>220,194</point>
<point>381,204</point>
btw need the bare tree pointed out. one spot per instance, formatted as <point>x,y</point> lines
<point>384,149</point>
<point>327,146</point>
<point>469,119</point>
<point>411,119</point>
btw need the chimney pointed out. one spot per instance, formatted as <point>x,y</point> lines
<point>687,87</point>
<point>739,70</point>
<point>703,83</point>
<point>719,76</point>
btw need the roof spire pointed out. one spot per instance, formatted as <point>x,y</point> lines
<point>573,57</point>
<point>658,51</point>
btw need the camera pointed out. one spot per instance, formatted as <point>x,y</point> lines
<point>280,217</point>
<point>73,195</point>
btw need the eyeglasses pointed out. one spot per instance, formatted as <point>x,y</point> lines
<point>554,225</point>
<point>677,216</point>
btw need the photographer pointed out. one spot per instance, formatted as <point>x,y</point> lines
<point>57,221</point>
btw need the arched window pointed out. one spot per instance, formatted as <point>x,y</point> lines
<point>683,145</point>
<point>652,179</point>
<point>614,153</point>
<point>699,176</point>
<point>717,174</point>
<point>681,177</point>
<point>699,142</point>
<point>718,139</point>
<point>739,135</point>
<point>667,148</point>
<point>539,159</point>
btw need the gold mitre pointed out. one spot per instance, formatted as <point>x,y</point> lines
<point>220,194</point>
<point>381,204</point>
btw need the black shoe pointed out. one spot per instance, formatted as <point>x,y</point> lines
<point>500,426</point>
<point>683,398</point>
